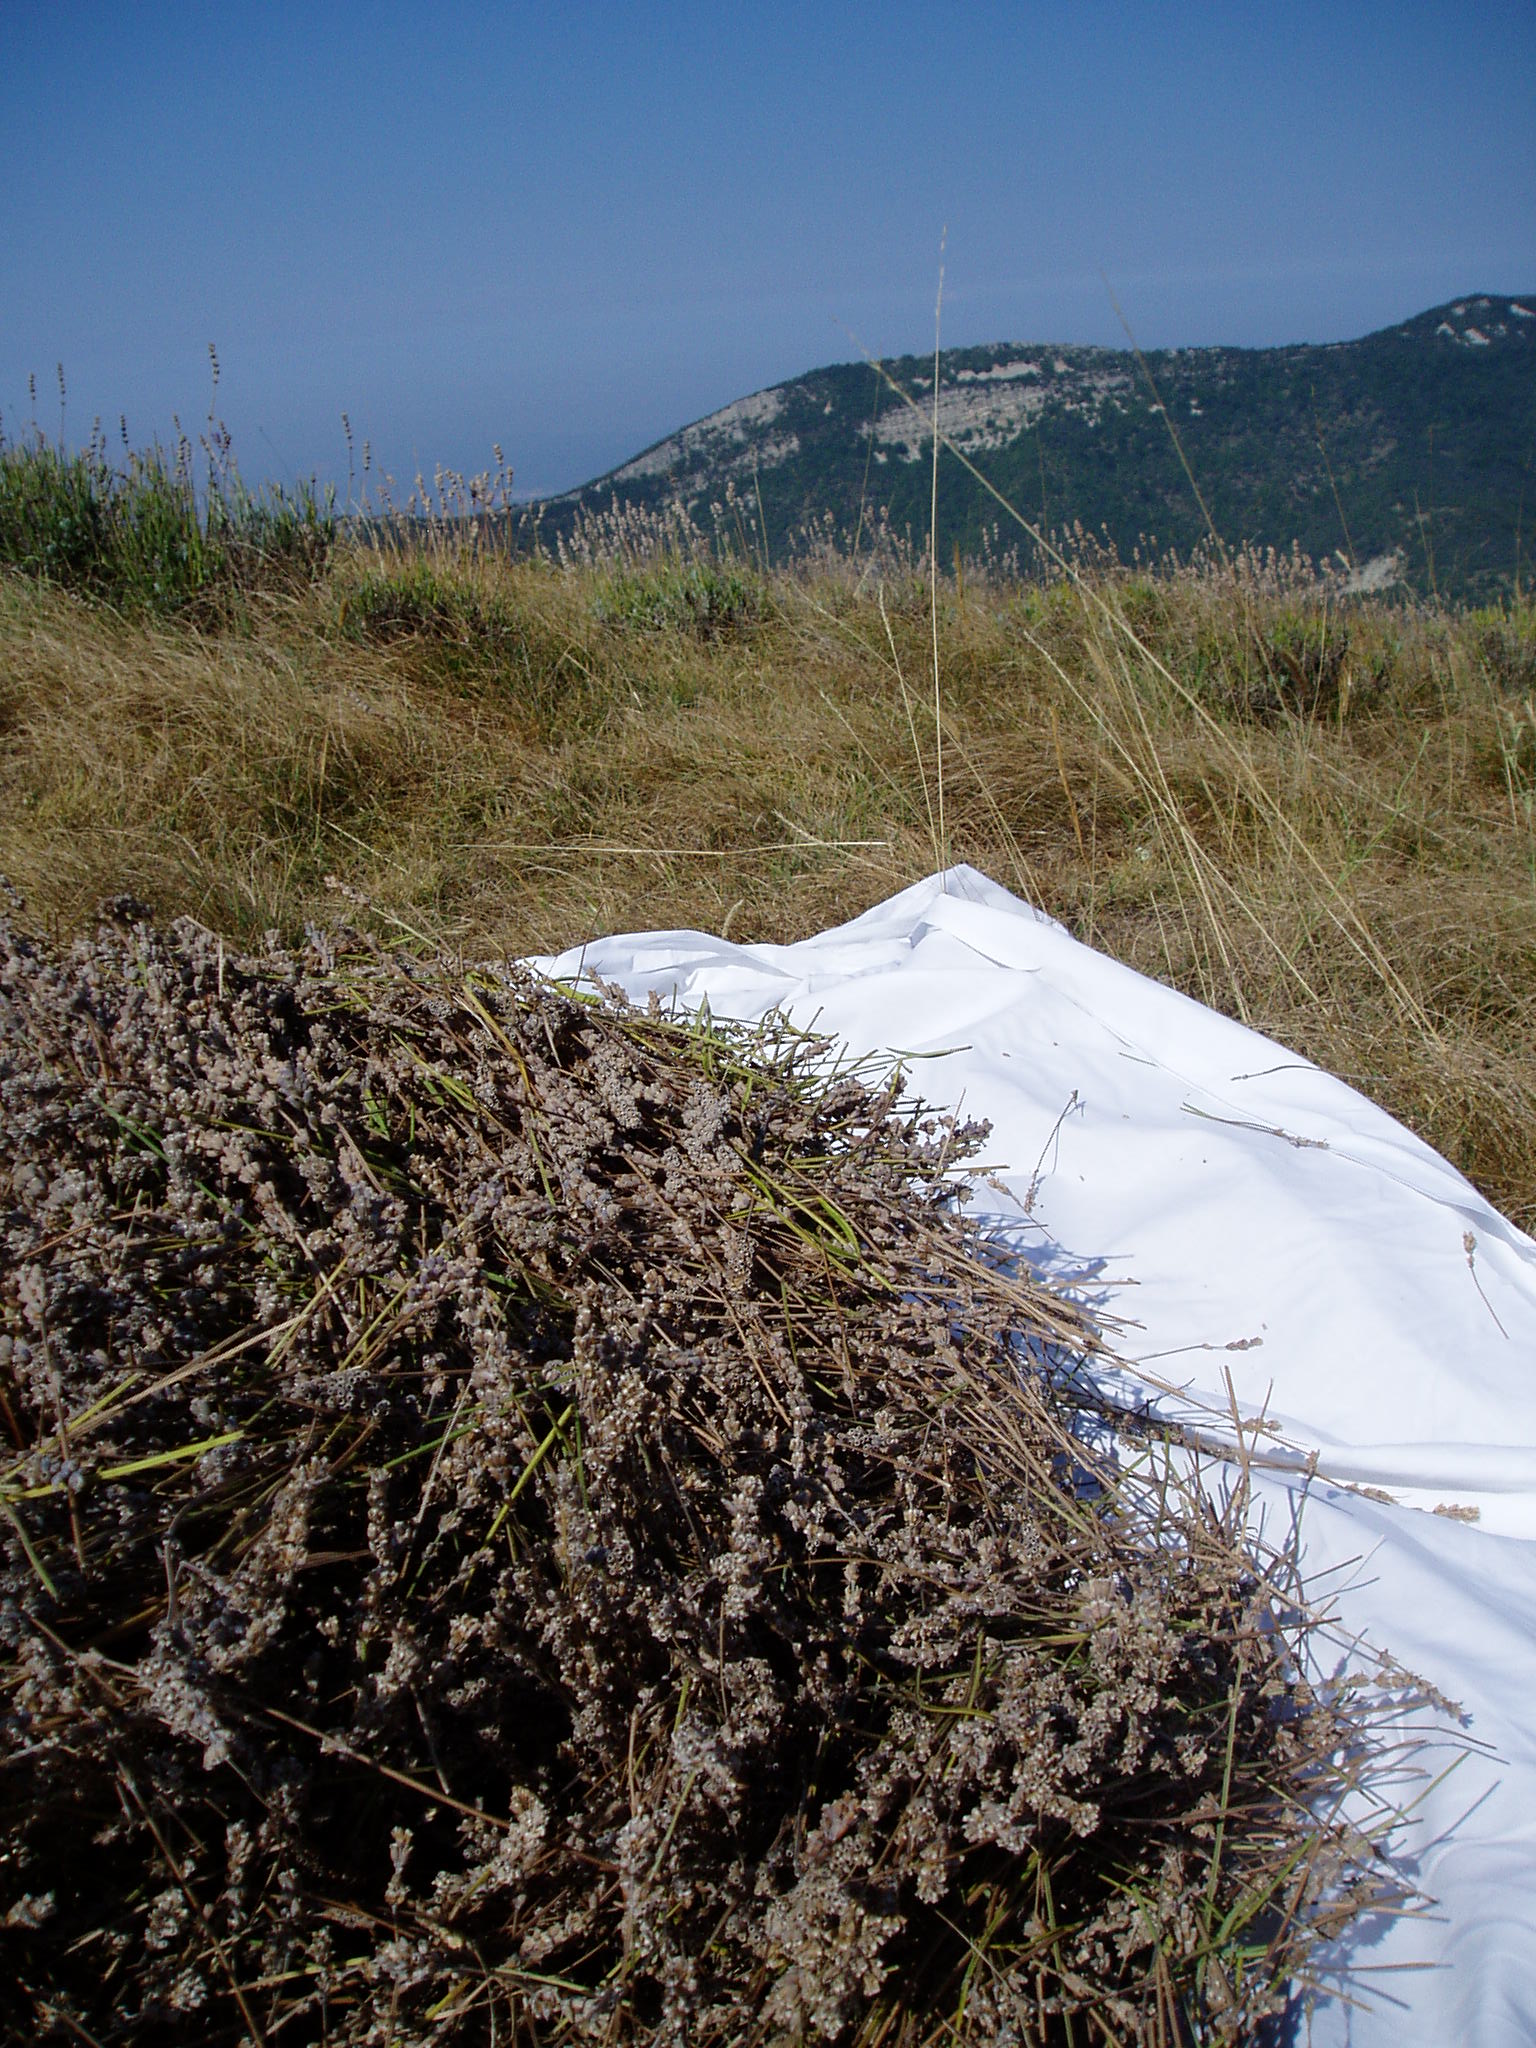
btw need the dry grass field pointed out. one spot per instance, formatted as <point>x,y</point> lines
<point>1316,813</point>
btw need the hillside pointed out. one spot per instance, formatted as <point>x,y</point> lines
<point>1428,429</point>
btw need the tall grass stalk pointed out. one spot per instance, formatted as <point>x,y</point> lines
<point>933,565</point>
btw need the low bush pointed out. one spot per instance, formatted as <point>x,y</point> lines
<point>703,598</point>
<point>143,538</point>
<point>412,598</point>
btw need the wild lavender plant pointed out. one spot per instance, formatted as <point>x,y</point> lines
<point>532,1521</point>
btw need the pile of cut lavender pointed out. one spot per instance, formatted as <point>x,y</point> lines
<point>527,1521</point>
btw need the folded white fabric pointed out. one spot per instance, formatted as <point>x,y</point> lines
<point>1259,1232</point>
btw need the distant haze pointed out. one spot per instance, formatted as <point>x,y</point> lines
<point>572,230</point>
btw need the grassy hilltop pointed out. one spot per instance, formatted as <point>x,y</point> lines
<point>1315,811</point>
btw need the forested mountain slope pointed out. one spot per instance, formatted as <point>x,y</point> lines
<point>1427,428</point>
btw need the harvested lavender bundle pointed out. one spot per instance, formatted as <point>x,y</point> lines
<point>530,1521</point>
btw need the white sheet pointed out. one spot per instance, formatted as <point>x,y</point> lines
<point>1243,1213</point>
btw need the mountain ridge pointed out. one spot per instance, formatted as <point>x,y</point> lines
<point>1412,444</point>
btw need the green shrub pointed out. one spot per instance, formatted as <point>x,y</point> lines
<point>143,538</point>
<point>704,598</point>
<point>414,600</point>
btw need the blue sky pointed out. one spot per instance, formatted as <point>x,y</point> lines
<point>570,228</point>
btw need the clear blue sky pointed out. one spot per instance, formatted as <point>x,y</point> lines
<point>570,228</point>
